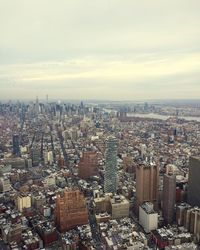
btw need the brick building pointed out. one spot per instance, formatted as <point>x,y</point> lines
<point>146,185</point>
<point>71,210</point>
<point>88,165</point>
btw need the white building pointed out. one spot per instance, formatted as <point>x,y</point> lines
<point>23,201</point>
<point>50,157</point>
<point>45,157</point>
<point>148,218</point>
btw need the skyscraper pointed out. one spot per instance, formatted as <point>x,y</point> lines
<point>88,164</point>
<point>36,154</point>
<point>16,148</point>
<point>146,184</point>
<point>110,177</point>
<point>193,182</point>
<point>37,106</point>
<point>71,210</point>
<point>169,194</point>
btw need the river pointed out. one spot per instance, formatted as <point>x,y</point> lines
<point>162,117</point>
<point>155,116</point>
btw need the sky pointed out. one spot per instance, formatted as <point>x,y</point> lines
<point>100,49</point>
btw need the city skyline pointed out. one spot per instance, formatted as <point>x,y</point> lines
<point>99,124</point>
<point>77,175</point>
<point>104,50</point>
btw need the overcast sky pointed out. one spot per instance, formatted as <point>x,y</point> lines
<point>100,49</point>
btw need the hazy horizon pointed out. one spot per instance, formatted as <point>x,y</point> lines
<point>99,50</point>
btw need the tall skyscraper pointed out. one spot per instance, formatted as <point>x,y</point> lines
<point>146,184</point>
<point>193,182</point>
<point>169,195</point>
<point>110,177</point>
<point>71,210</point>
<point>36,154</point>
<point>88,165</point>
<point>37,106</point>
<point>16,148</point>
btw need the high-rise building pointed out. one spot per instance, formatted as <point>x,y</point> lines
<point>16,148</point>
<point>36,155</point>
<point>193,182</point>
<point>88,165</point>
<point>37,106</point>
<point>169,196</point>
<point>110,177</point>
<point>71,210</point>
<point>146,184</point>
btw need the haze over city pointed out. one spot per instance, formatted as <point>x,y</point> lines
<point>91,49</point>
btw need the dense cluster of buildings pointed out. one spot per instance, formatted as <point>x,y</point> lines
<point>75,176</point>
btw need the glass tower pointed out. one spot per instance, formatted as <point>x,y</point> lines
<point>16,147</point>
<point>110,177</point>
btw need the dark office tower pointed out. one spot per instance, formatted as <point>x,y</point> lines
<point>16,148</point>
<point>147,177</point>
<point>36,155</point>
<point>193,182</point>
<point>88,165</point>
<point>110,177</point>
<point>169,194</point>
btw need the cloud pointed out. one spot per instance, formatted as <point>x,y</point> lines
<point>136,69</point>
<point>136,49</point>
